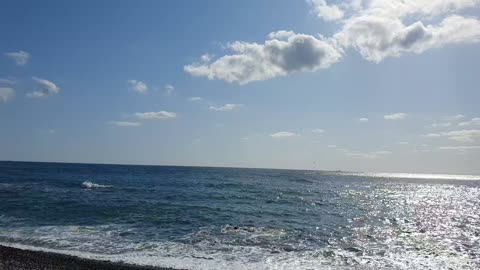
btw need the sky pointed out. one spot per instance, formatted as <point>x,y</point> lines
<point>372,85</point>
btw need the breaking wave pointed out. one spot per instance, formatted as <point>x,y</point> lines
<point>91,185</point>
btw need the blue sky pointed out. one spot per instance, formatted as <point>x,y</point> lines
<point>279,84</point>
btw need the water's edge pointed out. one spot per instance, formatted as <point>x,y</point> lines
<point>20,258</point>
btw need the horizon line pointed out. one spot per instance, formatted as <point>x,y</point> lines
<point>239,167</point>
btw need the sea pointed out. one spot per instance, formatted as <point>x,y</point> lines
<point>239,218</point>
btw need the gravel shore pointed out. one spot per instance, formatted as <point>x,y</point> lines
<point>18,259</point>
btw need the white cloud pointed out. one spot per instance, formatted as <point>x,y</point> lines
<point>156,115</point>
<point>471,147</point>
<point>454,117</point>
<point>138,86</point>
<point>226,107</point>
<point>125,124</point>
<point>325,11</point>
<point>331,146</point>
<point>420,8</point>
<point>395,116</point>
<point>439,125</point>
<point>47,88</point>
<point>463,135</point>
<point>402,143</point>
<point>169,89</point>
<point>283,134</point>
<point>195,98</point>
<point>318,131</point>
<point>474,122</point>
<point>7,81</point>
<point>284,53</point>
<point>21,57</point>
<point>206,58</point>
<point>360,155</point>
<point>363,120</point>
<point>378,37</point>
<point>374,154</point>
<point>382,152</point>
<point>432,135</point>
<point>466,135</point>
<point>377,29</point>
<point>6,93</point>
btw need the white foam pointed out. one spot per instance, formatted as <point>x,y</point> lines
<point>103,242</point>
<point>91,185</point>
<point>198,261</point>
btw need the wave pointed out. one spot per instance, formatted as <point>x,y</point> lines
<point>91,185</point>
<point>301,181</point>
<point>181,256</point>
<point>105,243</point>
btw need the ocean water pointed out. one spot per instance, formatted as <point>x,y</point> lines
<point>231,218</point>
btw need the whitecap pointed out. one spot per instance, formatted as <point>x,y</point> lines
<point>91,185</point>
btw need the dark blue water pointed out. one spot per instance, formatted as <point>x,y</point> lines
<point>230,218</point>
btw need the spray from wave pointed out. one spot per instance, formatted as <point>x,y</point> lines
<point>91,185</point>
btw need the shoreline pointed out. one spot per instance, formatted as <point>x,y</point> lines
<point>21,259</point>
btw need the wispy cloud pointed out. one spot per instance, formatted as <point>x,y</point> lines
<point>473,122</point>
<point>156,115</point>
<point>432,135</point>
<point>226,107</point>
<point>195,98</point>
<point>469,147</point>
<point>6,93</point>
<point>465,135</point>
<point>125,123</point>
<point>374,154</point>
<point>325,11</point>
<point>402,143</point>
<point>440,125</point>
<point>332,146</point>
<point>318,131</point>
<point>7,81</point>
<point>138,86</point>
<point>21,57</point>
<point>283,134</point>
<point>206,58</point>
<point>363,120</point>
<point>169,89</point>
<point>46,88</point>
<point>395,116</point>
<point>454,117</point>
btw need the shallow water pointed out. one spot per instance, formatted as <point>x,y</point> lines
<point>226,218</point>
